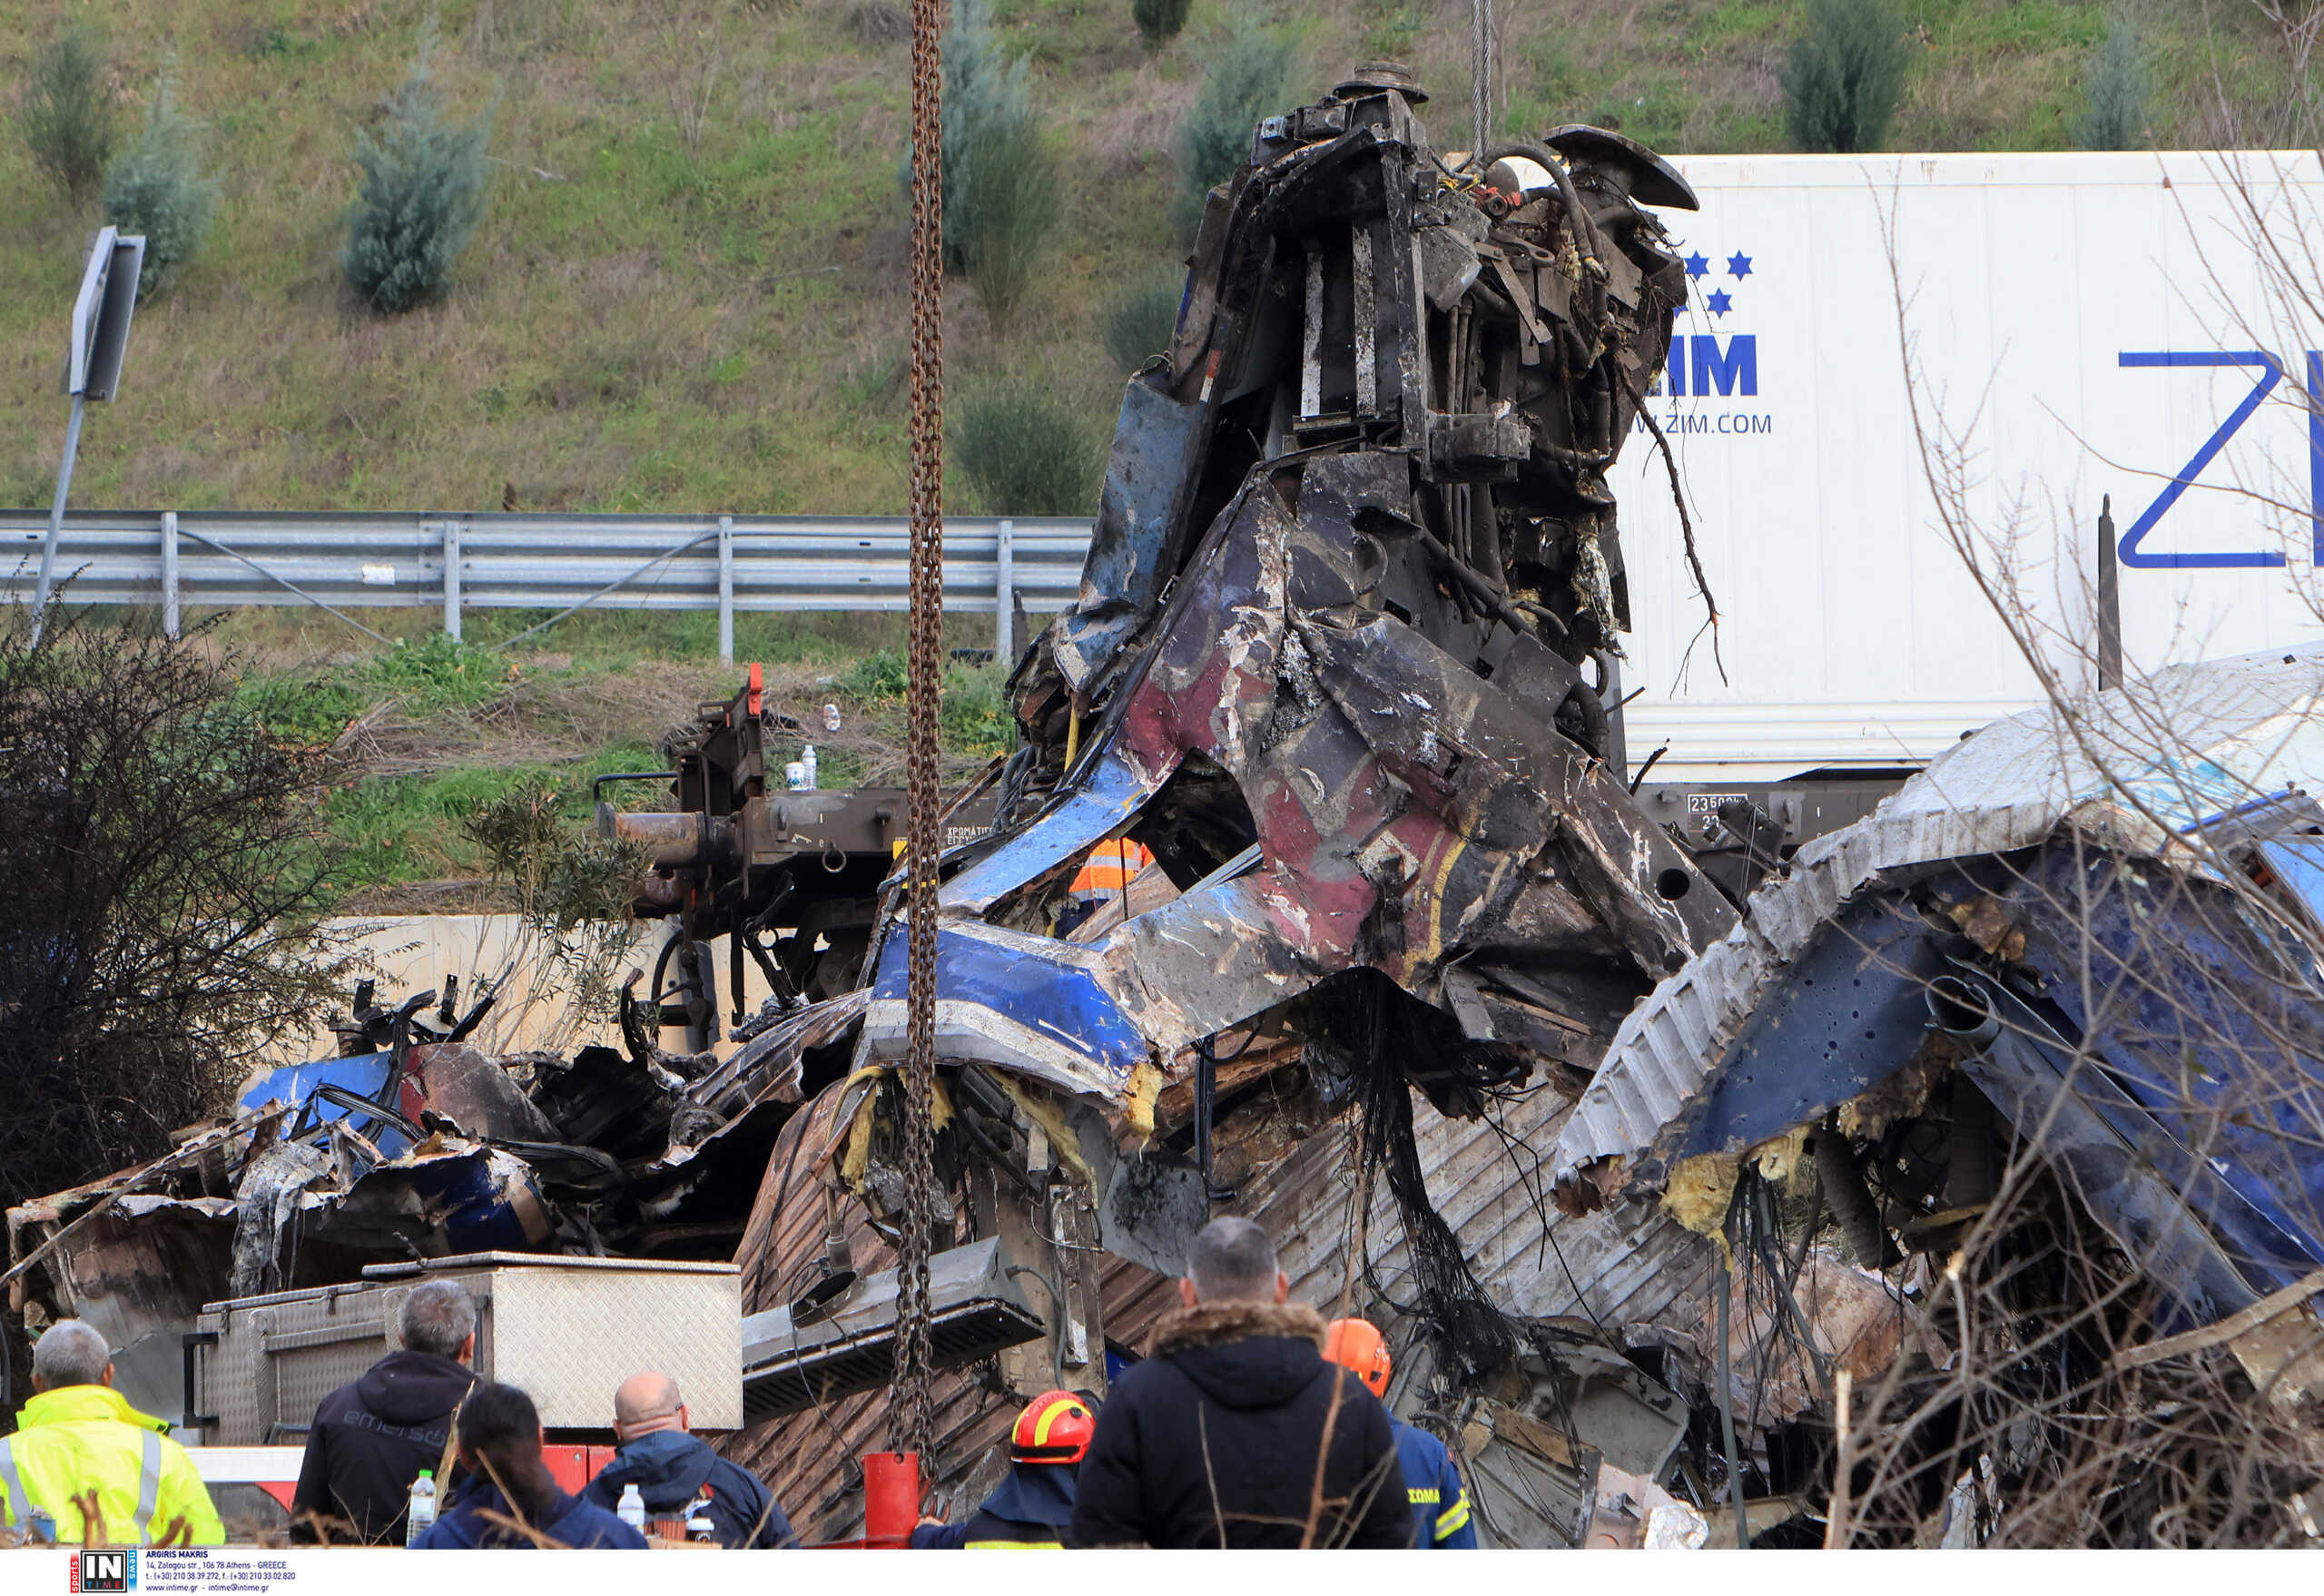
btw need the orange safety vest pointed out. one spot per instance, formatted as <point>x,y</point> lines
<point>1110,866</point>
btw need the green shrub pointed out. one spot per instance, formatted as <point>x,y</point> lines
<point>1025,450</point>
<point>422,195</point>
<point>1158,21</point>
<point>2114,91</point>
<point>66,116</point>
<point>998,181</point>
<point>982,89</point>
<point>1846,73</point>
<point>1137,323</point>
<point>1008,197</point>
<point>1246,76</point>
<point>882,674</point>
<point>157,188</point>
<point>975,715</point>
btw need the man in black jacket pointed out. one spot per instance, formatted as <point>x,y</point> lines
<point>370,1439</point>
<point>672,1468</point>
<point>1214,1440</point>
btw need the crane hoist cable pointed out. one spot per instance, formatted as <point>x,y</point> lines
<point>909,1420</point>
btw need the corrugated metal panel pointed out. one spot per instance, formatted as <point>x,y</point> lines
<point>1623,1266</point>
<point>1620,1267</point>
<point>2190,741</point>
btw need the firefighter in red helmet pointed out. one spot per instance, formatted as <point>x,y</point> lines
<point>1030,1509</point>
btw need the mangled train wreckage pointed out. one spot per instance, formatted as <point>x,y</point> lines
<point>1646,1174</point>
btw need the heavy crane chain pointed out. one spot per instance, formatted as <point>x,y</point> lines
<point>1480,77</point>
<point>909,1415</point>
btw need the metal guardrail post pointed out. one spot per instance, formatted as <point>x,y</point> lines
<point>170,572</point>
<point>452,580</point>
<point>1004,593</point>
<point>725,590</point>
<point>345,562</point>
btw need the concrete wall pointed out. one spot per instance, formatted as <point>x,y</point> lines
<point>413,953</point>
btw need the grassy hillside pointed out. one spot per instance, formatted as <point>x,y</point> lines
<point>687,291</point>
<point>687,295</point>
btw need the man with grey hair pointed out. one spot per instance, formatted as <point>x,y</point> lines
<point>1234,1430</point>
<point>77,1440</point>
<point>370,1439</point>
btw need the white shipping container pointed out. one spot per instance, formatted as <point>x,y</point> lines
<point>2097,324</point>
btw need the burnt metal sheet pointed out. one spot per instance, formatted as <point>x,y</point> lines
<point>1141,511</point>
<point>809,1459</point>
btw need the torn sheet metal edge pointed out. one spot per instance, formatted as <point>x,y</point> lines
<point>1100,806</point>
<point>1012,1000</point>
<point>2250,719</point>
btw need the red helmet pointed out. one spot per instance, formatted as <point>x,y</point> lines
<point>1054,1428</point>
<point>1356,1343</point>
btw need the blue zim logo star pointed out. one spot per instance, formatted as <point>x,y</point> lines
<point>1717,302</point>
<point>1697,265</point>
<point>1738,265</point>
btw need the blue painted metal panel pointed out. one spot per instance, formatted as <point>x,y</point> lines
<point>364,1074</point>
<point>1849,1013</point>
<point>2202,1016</point>
<point>1060,1001</point>
<point>1103,804</point>
<point>478,1216</point>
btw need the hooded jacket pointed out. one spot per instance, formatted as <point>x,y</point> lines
<point>670,1467</point>
<point>580,1525</point>
<point>369,1442</point>
<point>1029,1511</point>
<point>78,1439</point>
<point>1214,1440</point>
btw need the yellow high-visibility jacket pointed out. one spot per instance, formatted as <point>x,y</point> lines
<point>81,1438</point>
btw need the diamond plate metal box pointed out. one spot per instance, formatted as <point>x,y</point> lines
<point>566,1330</point>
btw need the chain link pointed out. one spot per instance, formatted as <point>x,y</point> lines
<point>1480,77</point>
<point>909,1419</point>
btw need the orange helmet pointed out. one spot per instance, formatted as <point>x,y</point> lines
<point>1356,1343</point>
<point>1054,1428</point>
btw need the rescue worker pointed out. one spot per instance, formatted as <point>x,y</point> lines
<point>1235,1431</point>
<point>1032,1508</point>
<point>672,1468</point>
<point>506,1481</point>
<point>1105,875</point>
<point>1440,1512</point>
<point>76,1437</point>
<point>370,1438</point>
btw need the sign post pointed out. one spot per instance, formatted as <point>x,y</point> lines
<point>100,314</point>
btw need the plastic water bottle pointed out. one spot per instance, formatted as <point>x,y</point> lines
<point>631,1509</point>
<point>420,1513</point>
<point>807,759</point>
